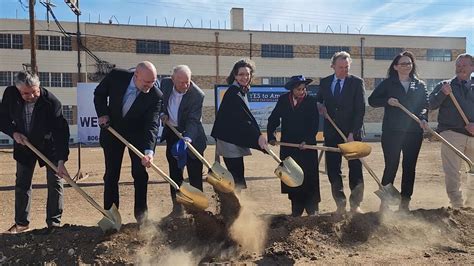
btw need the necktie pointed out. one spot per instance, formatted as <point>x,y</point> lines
<point>129,99</point>
<point>337,89</point>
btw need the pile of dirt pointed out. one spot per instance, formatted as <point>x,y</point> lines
<point>440,235</point>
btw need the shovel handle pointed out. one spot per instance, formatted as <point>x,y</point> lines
<point>141,155</point>
<point>311,147</point>
<point>190,146</point>
<point>274,156</point>
<point>68,180</point>
<point>458,152</point>
<point>461,112</point>
<point>364,163</point>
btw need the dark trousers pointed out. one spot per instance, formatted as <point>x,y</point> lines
<point>356,180</point>
<point>193,166</point>
<point>113,163</point>
<point>54,203</point>
<point>236,168</point>
<point>392,144</point>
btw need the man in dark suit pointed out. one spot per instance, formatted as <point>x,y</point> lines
<point>130,103</point>
<point>341,97</point>
<point>182,108</point>
<point>30,112</point>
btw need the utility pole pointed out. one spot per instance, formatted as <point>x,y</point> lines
<point>31,8</point>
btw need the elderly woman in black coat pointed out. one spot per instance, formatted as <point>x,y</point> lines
<point>297,113</point>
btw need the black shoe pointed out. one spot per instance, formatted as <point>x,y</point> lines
<point>312,209</point>
<point>296,209</point>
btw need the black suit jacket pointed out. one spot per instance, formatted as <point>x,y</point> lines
<point>189,114</point>
<point>140,124</point>
<point>348,110</point>
<point>234,121</point>
<point>49,129</point>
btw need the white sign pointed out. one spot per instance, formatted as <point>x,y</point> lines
<point>87,122</point>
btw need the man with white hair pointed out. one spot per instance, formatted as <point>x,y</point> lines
<point>182,108</point>
<point>31,113</point>
<point>454,129</point>
<point>130,103</point>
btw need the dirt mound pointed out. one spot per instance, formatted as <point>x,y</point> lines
<point>440,235</point>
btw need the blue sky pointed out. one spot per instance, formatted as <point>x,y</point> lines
<point>397,17</point>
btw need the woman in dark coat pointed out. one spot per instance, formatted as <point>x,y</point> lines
<point>235,128</point>
<point>299,124</point>
<point>400,133</point>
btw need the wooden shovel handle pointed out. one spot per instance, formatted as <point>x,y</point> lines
<point>274,156</point>
<point>311,147</point>
<point>458,152</point>
<point>141,155</point>
<point>190,146</point>
<point>461,112</point>
<point>68,180</point>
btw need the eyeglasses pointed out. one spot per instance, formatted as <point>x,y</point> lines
<point>405,64</point>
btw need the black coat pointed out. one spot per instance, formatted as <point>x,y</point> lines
<point>415,100</point>
<point>189,114</point>
<point>297,125</point>
<point>348,110</point>
<point>140,124</point>
<point>49,131</point>
<point>234,121</point>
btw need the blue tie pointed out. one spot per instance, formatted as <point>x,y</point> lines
<point>337,89</point>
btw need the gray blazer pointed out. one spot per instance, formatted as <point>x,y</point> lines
<point>189,114</point>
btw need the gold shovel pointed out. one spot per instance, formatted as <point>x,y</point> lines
<point>219,177</point>
<point>111,219</point>
<point>350,150</point>
<point>186,194</point>
<point>288,170</point>
<point>458,152</point>
<point>386,193</point>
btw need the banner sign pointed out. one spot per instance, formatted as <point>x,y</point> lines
<point>87,122</point>
<point>262,100</point>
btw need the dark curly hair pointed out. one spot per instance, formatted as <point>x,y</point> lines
<point>392,73</point>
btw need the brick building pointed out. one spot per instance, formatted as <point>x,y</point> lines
<point>211,53</point>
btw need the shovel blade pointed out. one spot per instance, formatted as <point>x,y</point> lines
<point>192,197</point>
<point>354,150</point>
<point>113,220</point>
<point>220,178</point>
<point>290,173</point>
<point>389,194</point>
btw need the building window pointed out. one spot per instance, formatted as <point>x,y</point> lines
<point>386,53</point>
<point>439,55</point>
<point>277,50</point>
<point>17,41</point>
<point>68,114</point>
<point>43,42</point>
<point>67,80</point>
<point>55,80</point>
<point>11,41</point>
<point>44,79</point>
<point>4,141</point>
<point>431,84</point>
<point>66,44</point>
<point>326,52</point>
<point>6,78</point>
<point>54,43</point>
<point>153,47</point>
